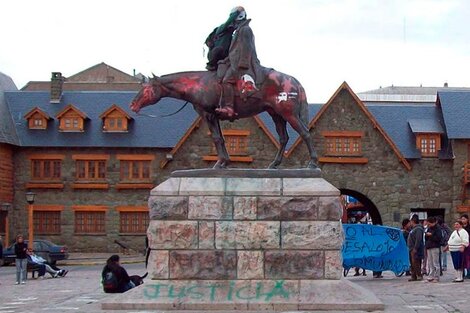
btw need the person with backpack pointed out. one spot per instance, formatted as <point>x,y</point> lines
<point>114,277</point>
<point>446,231</point>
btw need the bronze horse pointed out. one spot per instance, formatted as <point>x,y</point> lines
<point>280,95</point>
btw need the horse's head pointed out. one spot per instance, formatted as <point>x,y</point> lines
<point>149,94</point>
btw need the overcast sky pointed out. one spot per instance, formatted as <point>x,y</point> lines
<point>366,43</point>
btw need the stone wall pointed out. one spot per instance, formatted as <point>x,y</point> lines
<point>245,228</point>
<point>383,179</point>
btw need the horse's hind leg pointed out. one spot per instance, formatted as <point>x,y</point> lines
<point>302,130</point>
<point>283,139</point>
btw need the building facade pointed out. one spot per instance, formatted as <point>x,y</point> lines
<point>92,162</point>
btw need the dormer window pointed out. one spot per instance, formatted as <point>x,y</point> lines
<point>37,119</point>
<point>428,136</point>
<point>115,119</point>
<point>71,119</point>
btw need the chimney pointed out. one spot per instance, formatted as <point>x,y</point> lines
<point>446,85</point>
<point>57,82</point>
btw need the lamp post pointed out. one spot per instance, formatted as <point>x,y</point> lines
<point>6,207</point>
<point>30,199</point>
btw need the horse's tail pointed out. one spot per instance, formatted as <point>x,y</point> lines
<point>303,105</point>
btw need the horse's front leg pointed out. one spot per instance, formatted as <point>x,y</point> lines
<point>283,139</point>
<point>219,142</point>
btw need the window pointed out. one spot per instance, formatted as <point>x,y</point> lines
<point>428,144</point>
<point>115,119</point>
<point>46,222</point>
<point>91,170</point>
<point>135,170</point>
<point>37,119</point>
<point>90,219</point>
<point>236,142</point>
<point>71,119</point>
<point>3,221</point>
<point>46,169</point>
<point>343,143</point>
<point>133,220</point>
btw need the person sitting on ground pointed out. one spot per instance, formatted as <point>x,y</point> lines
<point>44,266</point>
<point>114,277</point>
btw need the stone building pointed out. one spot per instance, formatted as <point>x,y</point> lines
<point>91,161</point>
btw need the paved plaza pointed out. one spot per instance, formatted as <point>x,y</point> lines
<point>80,291</point>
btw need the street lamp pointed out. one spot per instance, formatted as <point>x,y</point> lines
<point>30,199</point>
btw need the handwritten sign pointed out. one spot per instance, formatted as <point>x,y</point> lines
<point>375,248</point>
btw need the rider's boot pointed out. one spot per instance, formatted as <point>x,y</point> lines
<point>228,109</point>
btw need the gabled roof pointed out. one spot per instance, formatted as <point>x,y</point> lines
<point>71,107</point>
<point>395,120</point>
<point>406,93</point>
<point>455,107</point>
<point>7,127</point>
<point>115,108</point>
<point>374,122</point>
<point>144,132</point>
<point>425,125</point>
<point>102,73</point>
<point>37,110</point>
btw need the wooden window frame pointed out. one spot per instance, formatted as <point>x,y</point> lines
<point>71,119</point>
<point>128,215</point>
<point>38,167</point>
<point>236,142</point>
<point>47,212</point>
<point>3,222</point>
<point>429,144</point>
<point>343,143</point>
<point>97,215</point>
<point>114,116</point>
<point>132,160</point>
<point>37,119</point>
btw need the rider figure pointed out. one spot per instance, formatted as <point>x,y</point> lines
<point>240,60</point>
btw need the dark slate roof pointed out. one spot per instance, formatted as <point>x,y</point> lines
<point>7,129</point>
<point>395,121</point>
<point>144,131</point>
<point>408,90</point>
<point>293,135</point>
<point>422,125</point>
<point>456,111</point>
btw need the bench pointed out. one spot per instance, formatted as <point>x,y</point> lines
<point>33,269</point>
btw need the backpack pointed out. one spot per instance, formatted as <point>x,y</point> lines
<point>110,282</point>
<point>445,234</point>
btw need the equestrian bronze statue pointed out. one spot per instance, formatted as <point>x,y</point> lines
<point>235,86</point>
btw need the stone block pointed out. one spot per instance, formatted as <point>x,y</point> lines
<point>158,264</point>
<point>172,234</point>
<point>197,264</point>
<point>311,235</point>
<point>253,186</point>
<point>333,264</point>
<point>287,208</point>
<point>308,187</point>
<point>293,264</point>
<point>163,208</point>
<point>250,264</point>
<point>169,187</point>
<point>247,235</point>
<point>202,186</point>
<point>210,208</point>
<point>206,235</point>
<point>329,208</point>
<point>244,208</point>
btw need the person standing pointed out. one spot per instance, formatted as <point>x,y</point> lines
<point>1,249</point>
<point>466,255</point>
<point>416,248</point>
<point>433,238</point>
<point>446,231</point>
<point>21,260</point>
<point>457,243</point>
<point>405,229</point>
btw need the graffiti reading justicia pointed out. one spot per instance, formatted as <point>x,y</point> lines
<point>227,290</point>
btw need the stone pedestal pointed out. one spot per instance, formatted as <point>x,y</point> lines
<point>245,243</point>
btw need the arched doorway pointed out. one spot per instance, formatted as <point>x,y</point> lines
<point>362,206</point>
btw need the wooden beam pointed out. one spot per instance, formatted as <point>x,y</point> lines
<point>350,160</point>
<point>134,186</point>
<point>44,185</point>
